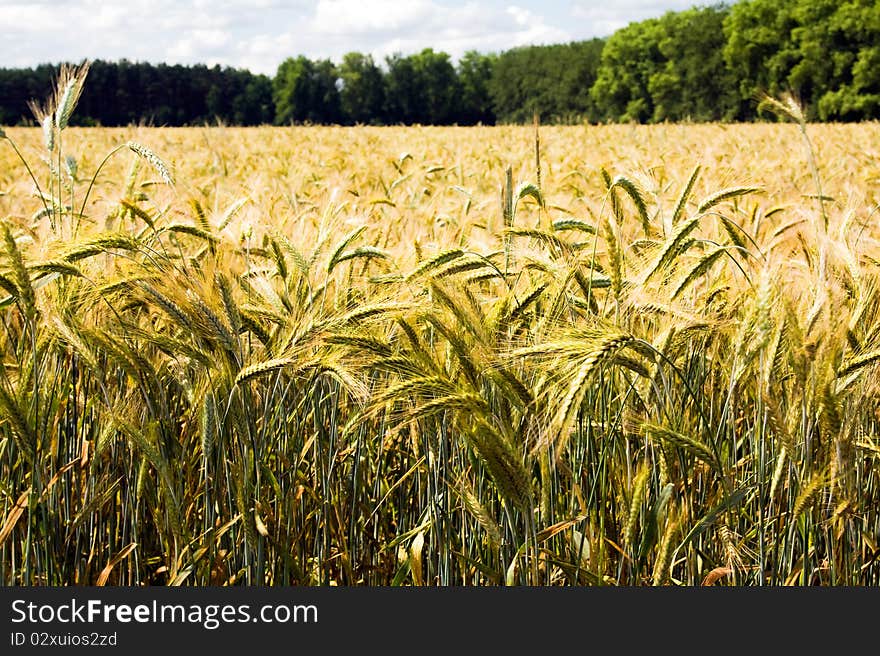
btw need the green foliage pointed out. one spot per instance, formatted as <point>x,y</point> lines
<point>666,69</point>
<point>474,74</point>
<point>629,58</point>
<point>306,91</point>
<point>553,81</point>
<point>823,51</point>
<point>122,93</point>
<point>759,49</point>
<point>839,72</point>
<point>422,88</point>
<point>362,89</point>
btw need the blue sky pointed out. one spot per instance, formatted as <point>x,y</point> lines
<point>260,34</point>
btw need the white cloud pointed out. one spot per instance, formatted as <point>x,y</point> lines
<point>520,15</point>
<point>604,18</point>
<point>200,43</point>
<point>210,38</point>
<point>260,34</point>
<point>345,17</point>
<point>382,27</point>
<point>30,17</point>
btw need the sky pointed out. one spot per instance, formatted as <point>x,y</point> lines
<point>259,34</point>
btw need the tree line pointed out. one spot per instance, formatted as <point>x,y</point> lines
<point>123,93</point>
<point>708,63</point>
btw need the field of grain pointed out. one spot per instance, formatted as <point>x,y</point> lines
<point>608,355</point>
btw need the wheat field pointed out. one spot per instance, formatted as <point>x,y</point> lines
<point>584,355</point>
